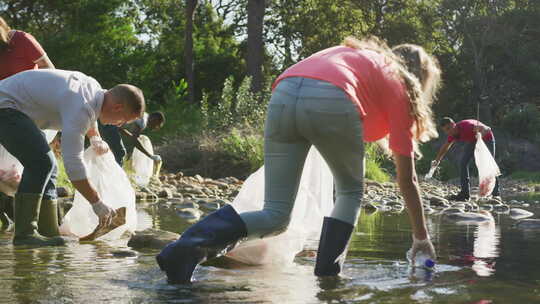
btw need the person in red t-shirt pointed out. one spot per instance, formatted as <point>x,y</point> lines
<point>20,51</point>
<point>465,131</point>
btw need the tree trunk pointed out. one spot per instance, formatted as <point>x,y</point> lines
<point>191,5</point>
<point>255,44</point>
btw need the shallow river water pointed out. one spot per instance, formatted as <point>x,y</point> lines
<point>488,263</point>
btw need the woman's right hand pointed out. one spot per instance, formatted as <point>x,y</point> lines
<point>425,246</point>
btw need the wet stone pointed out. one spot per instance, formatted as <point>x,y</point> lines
<point>152,238</point>
<point>186,205</point>
<point>438,201</point>
<point>214,205</point>
<point>501,208</point>
<point>453,210</point>
<point>124,253</point>
<point>517,213</point>
<point>165,193</point>
<point>190,214</point>
<point>468,217</point>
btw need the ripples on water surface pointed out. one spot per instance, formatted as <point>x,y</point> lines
<point>489,263</point>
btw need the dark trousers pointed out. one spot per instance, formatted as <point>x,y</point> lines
<point>468,154</point>
<point>111,135</point>
<point>26,142</point>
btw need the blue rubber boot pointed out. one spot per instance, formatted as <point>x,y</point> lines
<point>214,235</point>
<point>335,236</point>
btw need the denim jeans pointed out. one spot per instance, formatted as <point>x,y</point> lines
<point>26,142</point>
<point>468,154</point>
<point>304,112</point>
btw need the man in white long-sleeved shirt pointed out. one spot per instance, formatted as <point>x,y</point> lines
<point>70,102</point>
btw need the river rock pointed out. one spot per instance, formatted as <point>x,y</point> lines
<point>165,193</point>
<point>190,214</point>
<point>123,253</point>
<point>63,192</point>
<point>517,213</point>
<point>501,208</point>
<point>212,205</point>
<point>152,238</point>
<point>469,217</point>
<point>186,205</point>
<point>139,195</point>
<point>436,201</point>
<point>453,210</point>
<point>486,207</point>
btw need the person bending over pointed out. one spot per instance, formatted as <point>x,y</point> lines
<point>66,101</point>
<point>111,134</point>
<point>465,131</point>
<point>335,100</point>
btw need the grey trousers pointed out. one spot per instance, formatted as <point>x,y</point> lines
<point>304,112</point>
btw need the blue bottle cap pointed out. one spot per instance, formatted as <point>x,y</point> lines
<point>429,263</point>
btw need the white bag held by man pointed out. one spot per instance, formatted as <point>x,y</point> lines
<point>142,165</point>
<point>487,168</point>
<point>11,169</point>
<point>115,190</point>
<point>313,202</point>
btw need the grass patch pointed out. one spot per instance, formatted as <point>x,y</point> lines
<point>531,196</point>
<point>374,164</point>
<point>63,180</point>
<point>526,176</point>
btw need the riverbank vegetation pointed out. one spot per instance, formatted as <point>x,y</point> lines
<point>209,65</point>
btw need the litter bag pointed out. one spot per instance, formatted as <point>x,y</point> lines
<point>487,168</point>
<point>313,202</point>
<point>11,169</point>
<point>143,166</point>
<point>114,189</point>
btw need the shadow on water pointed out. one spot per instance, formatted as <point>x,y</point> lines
<point>486,263</point>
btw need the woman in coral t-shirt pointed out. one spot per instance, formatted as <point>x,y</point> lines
<point>20,51</point>
<point>335,100</point>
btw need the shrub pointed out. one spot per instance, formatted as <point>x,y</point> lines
<point>523,122</point>
<point>374,161</point>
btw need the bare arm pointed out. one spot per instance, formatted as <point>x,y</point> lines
<point>482,129</point>
<point>87,191</point>
<point>93,132</point>
<point>408,185</point>
<point>44,62</point>
<point>138,143</point>
<point>443,150</point>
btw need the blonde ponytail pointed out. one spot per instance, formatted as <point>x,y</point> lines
<point>421,75</point>
<point>4,35</point>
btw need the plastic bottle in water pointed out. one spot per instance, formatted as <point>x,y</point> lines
<point>431,172</point>
<point>421,260</point>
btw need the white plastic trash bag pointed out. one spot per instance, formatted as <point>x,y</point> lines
<point>314,201</point>
<point>11,169</point>
<point>143,166</point>
<point>115,190</point>
<point>487,168</point>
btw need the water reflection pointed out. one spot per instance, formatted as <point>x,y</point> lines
<point>375,270</point>
<point>486,248</point>
<point>481,257</point>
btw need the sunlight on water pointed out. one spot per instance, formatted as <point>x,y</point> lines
<point>476,264</point>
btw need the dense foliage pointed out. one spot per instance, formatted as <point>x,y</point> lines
<point>488,50</point>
